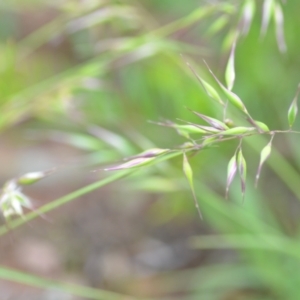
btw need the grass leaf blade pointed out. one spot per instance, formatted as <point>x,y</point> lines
<point>267,12</point>
<point>279,20</point>
<point>248,13</point>
<point>230,72</point>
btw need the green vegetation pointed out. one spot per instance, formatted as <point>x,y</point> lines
<point>192,95</point>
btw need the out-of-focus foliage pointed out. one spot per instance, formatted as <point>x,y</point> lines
<point>90,75</point>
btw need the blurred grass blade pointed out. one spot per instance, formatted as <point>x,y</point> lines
<point>188,172</point>
<point>99,16</point>
<point>230,72</point>
<point>293,109</point>
<point>190,19</point>
<point>242,167</point>
<point>279,21</point>
<point>267,11</point>
<point>265,153</point>
<point>247,15</point>
<point>111,138</point>
<point>231,36</point>
<point>267,241</point>
<point>71,289</point>
<point>217,25</point>
<point>231,171</point>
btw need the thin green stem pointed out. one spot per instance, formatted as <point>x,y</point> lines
<point>80,192</point>
<point>188,20</point>
<point>63,200</point>
<point>277,162</point>
<point>264,241</point>
<point>183,22</point>
<point>80,291</point>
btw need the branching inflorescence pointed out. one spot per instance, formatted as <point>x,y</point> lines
<point>217,131</point>
<point>12,200</point>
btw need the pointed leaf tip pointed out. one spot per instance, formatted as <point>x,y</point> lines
<point>248,13</point>
<point>231,171</point>
<point>264,154</point>
<point>230,72</point>
<point>279,22</point>
<point>267,12</point>
<point>211,121</point>
<point>293,109</point>
<point>188,172</point>
<point>211,92</point>
<point>154,152</point>
<point>242,167</point>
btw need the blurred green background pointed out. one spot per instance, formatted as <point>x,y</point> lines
<point>81,83</point>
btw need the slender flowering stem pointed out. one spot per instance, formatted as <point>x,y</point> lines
<point>76,194</point>
<point>63,200</point>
